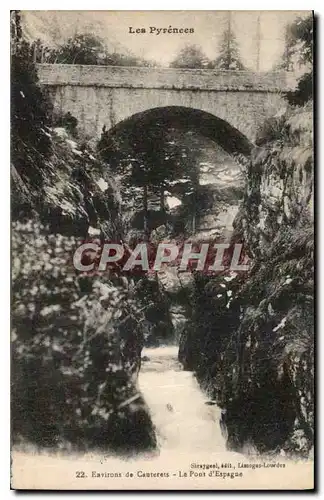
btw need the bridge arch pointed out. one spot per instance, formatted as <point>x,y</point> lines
<point>206,124</point>
<point>213,200</point>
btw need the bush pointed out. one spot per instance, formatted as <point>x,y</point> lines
<point>30,117</point>
<point>76,350</point>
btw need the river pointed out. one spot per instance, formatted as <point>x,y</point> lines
<point>183,420</point>
<point>192,451</point>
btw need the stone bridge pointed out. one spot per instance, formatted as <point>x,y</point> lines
<point>107,95</point>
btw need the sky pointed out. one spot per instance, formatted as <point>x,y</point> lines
<point>113,27</point>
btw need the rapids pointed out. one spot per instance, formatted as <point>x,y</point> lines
<point>178,407</point>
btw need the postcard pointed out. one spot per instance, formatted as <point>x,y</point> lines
<point>162,250</point>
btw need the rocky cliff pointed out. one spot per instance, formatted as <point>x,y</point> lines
<point>254,355</point>
<point>76,339</point>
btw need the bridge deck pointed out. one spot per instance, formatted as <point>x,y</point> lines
<point>164,78</point>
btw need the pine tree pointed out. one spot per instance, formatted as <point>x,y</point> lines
<point>150,159</point>
<point>229,57</point>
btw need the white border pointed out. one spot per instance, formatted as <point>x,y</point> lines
<point>4,185</point>
<point>165,5</point>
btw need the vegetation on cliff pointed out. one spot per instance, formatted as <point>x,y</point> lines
<point>251,337</point>
<point>76,350</point>
<point>299,54</point>
<point>76,339</point>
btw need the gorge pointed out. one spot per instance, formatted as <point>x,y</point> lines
<point>95,356</point>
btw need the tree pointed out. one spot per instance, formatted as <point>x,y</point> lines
<point>152,160</point>
<point>229,57</point>
<point>144,160</point>
<point>15,29</point>
<point>42,53</point>
<point>286,62</point>
<point>30,117</point>
<point>191,57</point>
<point>301,33</point>
<point>85,48</point>
<point>81,49</point>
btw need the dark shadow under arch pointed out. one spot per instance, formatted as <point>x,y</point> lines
<point>208,125</point>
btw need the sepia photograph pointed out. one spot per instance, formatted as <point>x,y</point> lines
<point>162,250</point>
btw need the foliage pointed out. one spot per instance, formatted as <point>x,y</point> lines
<point>76,346</point>
<point>150,163</point>
<point>51,173</point>
<point>81,49</point>
<point>191,56</point>
<point>42,53</point>
<point>301,31</point>
<point>301,34</point>
<point>84,48</point>
<point>276,333</point>
<point>15,28</point>
<point>304,91</point>
<point>30,112</point>
<point>229,57</point>
<point>76,340</point>
<point>287,59</point>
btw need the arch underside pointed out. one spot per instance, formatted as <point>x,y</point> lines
<point>187,119</point>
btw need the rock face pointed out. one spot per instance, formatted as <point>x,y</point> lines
<point>76,191</point>
<point>280,180</point>
<point>276,334</point>
<point>256,354</point>
<point>77,339</point>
